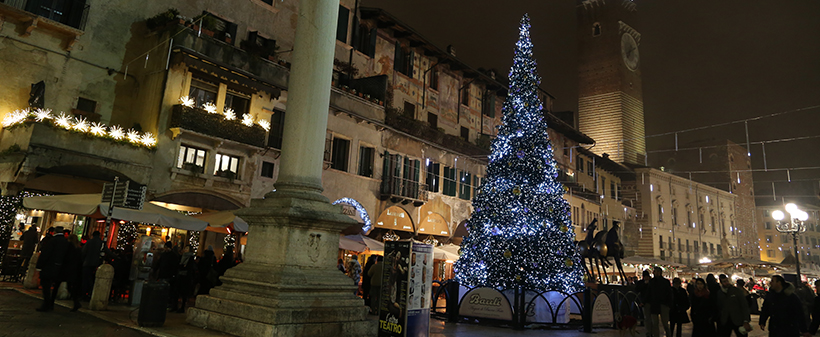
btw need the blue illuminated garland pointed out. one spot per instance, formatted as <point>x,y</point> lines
<point>520,230</point>
<point>359,208</point>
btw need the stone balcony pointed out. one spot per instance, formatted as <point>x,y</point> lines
<point>30,150</point>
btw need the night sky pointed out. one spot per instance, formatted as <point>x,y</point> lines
<point>702,62</point>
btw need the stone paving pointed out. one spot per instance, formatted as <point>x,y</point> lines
<point>18,318</point>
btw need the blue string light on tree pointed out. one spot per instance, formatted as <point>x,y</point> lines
<point>519,229</point>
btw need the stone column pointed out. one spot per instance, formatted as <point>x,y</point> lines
<point>289,284</point>
<point>300,171</point>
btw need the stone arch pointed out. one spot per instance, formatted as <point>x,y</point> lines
<point>200,198</point>
<point>74,179</point>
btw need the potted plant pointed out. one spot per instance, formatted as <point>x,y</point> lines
<point>226,174</point>
<point>162,19</point>
<point>193,168</point>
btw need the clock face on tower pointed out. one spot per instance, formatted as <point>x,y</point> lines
<point>629,51</point>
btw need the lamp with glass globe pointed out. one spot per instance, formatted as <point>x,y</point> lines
<point>793,226</point>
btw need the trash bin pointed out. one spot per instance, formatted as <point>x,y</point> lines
<point>153,304</point>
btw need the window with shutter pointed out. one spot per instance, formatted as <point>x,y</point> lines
<point>341,24</point>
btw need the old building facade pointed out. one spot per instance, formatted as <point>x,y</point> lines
<point>776,247</point>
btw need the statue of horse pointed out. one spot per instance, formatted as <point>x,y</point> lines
<point>591,248</point>
<point>614,248</point>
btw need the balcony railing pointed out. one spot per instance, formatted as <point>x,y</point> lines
<point>199,120</point>
<point>424,131</point>
<point>405,190</point>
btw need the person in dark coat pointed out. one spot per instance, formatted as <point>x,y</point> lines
<point>50,265</point>
<point>661,301</point>
<point>644,293</point>
<point>183,284</point>
<point>227,261</point>
<point>48,236</point>
<point>208,276</point>
<point>168,263</point>
<point>733,310</point>
<point>29,238</point>
<point>93,253</point>
<point>680,303</point>
<point>714,287</point>
<point>366,283</point>
<point>72,273</point>
<point>783,310</point>
<point>815,310</point>
<point>702,310</point>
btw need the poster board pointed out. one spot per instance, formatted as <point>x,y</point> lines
<point>421,284</point>
<point>404,308</point>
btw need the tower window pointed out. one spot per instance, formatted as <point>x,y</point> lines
<point>596,29</point>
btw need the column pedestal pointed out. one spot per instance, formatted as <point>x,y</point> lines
<point>289,284</point>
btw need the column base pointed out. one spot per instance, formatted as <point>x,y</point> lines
<point>288,284</point>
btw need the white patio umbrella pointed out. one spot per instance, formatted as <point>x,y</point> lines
<point>88,204</point>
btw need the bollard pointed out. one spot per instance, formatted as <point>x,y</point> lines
<point>102,288</point>
<point>62,292</point>
<point>452,301</point>
<point>32,280</point>
<point>518,303</point>
<point>587,316</point>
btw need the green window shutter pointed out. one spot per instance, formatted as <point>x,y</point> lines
<point>341,25</point>
<point>372,51</point>
<point>398,58</point>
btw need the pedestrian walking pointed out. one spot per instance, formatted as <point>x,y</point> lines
<point>168,263</point>
<point>644,293</point>
<point>366,279</point>
<point>206,267</point>
<point>661,302</point>
<point>46,238</point>
<point>73,271</point>
<point>50,265</point>
<point>782,310</point>
<point>183,284</point>
<point>815,310</point>
<point>375,275</point>
<point>93,253</point>
<point>702,310</point>
<point>341,266</point>
<point>29,238</point>
<point>227,262</point>
<point>680,304</point>
<point>354,270</point>
<point>733,310</point>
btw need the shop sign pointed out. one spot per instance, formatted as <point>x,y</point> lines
<point>395,218</point>
<point>602,310</point>
<point>486,303</point>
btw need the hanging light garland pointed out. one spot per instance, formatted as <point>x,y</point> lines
<point>228,113</point>
<point>79,124</point>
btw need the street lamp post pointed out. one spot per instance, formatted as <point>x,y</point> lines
<point>793,226</point>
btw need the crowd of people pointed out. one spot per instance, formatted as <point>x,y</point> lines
<point>717,306</point>
<point>66,258</point>
<point>368,278</point>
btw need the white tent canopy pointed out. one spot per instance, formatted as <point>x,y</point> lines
<point>348,244</point>
<point>223,219</point>
<point>372,245</point>
<point>88,204</point>
<point>446,252</point>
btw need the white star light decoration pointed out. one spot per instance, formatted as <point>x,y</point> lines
<point>116,132</point>
<point>63,121</point>
<point>264,124</point>
<point>209,107</point>
<point>247,120</point>
<point>187,102</point>
<point>133,136</point>
<point>80,124</point>
<point>229,114</point>
<point>42,114</point>
<point>97,129</point>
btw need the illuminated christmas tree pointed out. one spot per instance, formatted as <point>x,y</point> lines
<point>520,230</point>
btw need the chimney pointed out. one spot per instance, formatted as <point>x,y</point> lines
<point>451,50</point>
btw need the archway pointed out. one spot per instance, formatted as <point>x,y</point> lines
<point>355,210</point>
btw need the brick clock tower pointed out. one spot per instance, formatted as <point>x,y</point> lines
<point>610,103</point>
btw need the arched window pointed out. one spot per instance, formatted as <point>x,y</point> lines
<point>596,29</point>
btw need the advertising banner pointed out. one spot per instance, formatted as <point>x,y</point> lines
<point>486,303</point>
<point>602,310</point>
<point>394,295</point>
<point>421,284</point>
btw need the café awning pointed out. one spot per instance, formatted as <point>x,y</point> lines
<point>221,221</point>
<point>88,204</point>
<point>372,245</point>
